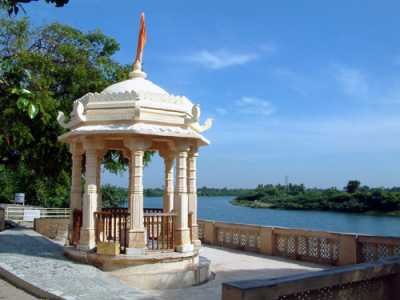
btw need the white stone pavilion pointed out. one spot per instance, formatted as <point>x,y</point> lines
<point>134,116</point>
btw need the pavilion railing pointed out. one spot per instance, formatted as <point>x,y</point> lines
<point>115,209</point>
<point>124,209</point>
<point>190,223</point>
<point>306,245</point>
<point>150,210</point>
<point>160,229</point>
<point>112,226</point>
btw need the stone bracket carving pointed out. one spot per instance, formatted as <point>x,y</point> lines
<point>194,121</point>
<point>77,115</point>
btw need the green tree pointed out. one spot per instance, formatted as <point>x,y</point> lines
<point>14,6</point>
<point>113,196</point>
<point>352,186</point>
<point>43,70</point>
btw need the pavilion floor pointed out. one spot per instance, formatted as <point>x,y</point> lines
<point>31,258</point>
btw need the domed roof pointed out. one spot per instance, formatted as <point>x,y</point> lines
<point>135,84</point>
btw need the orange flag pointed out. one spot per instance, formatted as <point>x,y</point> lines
<point>141,40</point>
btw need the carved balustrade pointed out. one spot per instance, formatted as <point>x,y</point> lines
<point>306,245</point>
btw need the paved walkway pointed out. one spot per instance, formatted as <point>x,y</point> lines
<point>231,265</point>
<point>41,263</point>
<point>10,292</point>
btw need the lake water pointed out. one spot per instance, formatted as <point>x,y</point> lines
<point>219,208</point>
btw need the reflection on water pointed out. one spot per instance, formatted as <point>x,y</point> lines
<point>219,208</point>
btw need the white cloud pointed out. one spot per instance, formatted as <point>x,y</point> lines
<point>221,111</point>
<point>397,60</point>
<point>221,59</point>
<point>353,81</point>
<point>255,106</point>
<point>268,48</point>
<point>295,81</point>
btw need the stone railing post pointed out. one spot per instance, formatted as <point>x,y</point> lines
<point>209,233</point>
<point>347,250</point>
<point>266,240</point>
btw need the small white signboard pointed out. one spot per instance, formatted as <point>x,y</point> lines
<point>20,198</point>
<point>31,214</point>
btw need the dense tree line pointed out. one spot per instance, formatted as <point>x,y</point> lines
<point>14,6</point>
<point>114,196</point>
<point>353,198</point>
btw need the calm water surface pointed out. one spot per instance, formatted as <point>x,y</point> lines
<point>219,208</point>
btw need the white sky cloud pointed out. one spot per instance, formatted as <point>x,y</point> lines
<point>397,60</point>
<point>221,111</point>
<point>352,80</point>
<point>269,48</point>
<point>221,58</point>
<point>255,106</point>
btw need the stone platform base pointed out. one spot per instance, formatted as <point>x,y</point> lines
<point>153,270</point>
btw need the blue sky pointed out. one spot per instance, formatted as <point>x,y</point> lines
<point>307,89</point>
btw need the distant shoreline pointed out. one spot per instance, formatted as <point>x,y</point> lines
<point>262,205</point>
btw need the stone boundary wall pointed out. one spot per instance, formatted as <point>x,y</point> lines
<point>367,281</point>
<point>53,228</point>
<point>306,245</point>
<point>2,219</point>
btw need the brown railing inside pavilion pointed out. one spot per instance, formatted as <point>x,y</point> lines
<point>160,230</point>
<point>111,225</point>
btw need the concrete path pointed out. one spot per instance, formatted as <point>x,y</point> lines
<point>10,292</point>
<point>231,265</point>
<point>40,262</point>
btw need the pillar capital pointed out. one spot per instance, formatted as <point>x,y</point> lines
<point>92,144</point>
<point>126,153</point>
<point>194,151</point>
<point>167,154</point>
<point>76,149</point>
<point>182,146</point>
<point>137,143</point>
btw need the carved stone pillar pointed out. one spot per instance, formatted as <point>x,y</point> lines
<point>136,234</point>
<point>100,155</point>
<point>182,232</point>
<point>76,175</point>
<point>75,201</point>
<point>168,197</point>
<point>127,155</point>
<point>192,194</point>
<point>87,238</point>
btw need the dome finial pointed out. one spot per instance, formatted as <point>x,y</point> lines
<point>137,65</point>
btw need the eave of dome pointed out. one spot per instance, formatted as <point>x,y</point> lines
<point>138,128</point>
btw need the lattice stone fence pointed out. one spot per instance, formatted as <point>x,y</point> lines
<point>367,281</point>
<point>314,246</point>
